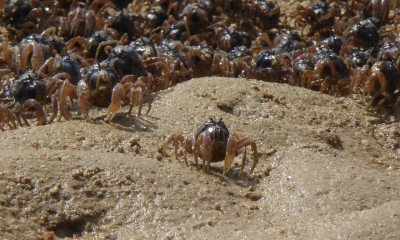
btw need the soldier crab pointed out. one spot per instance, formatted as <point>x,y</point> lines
<point>213,143</point>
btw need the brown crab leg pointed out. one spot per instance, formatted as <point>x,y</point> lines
<point>117,96</point>
<point>246,142</point>
<point>37,58</point>
<point>243,161</point>
<point>205,149</point>
<point>176,138</point>
<point>137,98</point>
<point>359,76</point>
<point>12,118</point>
<point>90,18</point>
<point>40,115</point>
<point>67,90</point>
<point>82,98</point>
<point>306,78</point>
<point>54,103</point>
<point>5,117</point>
<point>369,86</point>
<point>188,148</point>
<point>230,154</point>
<point>46,65</point>
<point>17,110</point>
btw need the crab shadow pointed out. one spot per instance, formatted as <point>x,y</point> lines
<point>128,123</point>
<point>243,180</point>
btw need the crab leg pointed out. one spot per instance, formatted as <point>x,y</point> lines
<point>246,142</point>
<point>152,64</point>
<point>7,117</point>
<point>104,45</point>
<point>176,138</point>
<point>37,59</point>
<point>82,98</point>
<point>319,67</point>
<point>40,115</point>
<point>243,161</point>
<point>230,154</point>
<point>71,44</point>
<point>117,96</point>
<point>359,76</point>
<point>17,109</point>
<point>67,90</point>
<point>90,17</point>
<point>12,117</point>
<point>306,78</point>
<point>136,98</point>
<point>205,149</point>
<point>48,64</point>
<point>369,86</point>
<point>54,103</point>
<point>188,148</point>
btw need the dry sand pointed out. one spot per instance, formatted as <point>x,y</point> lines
<point>328,169</point>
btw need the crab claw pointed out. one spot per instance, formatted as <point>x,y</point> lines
<point>230,154</point>
<point>117,96</point>
<point>40,115</point>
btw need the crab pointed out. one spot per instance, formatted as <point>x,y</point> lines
<point>288,42</point>
<point>102,87</point>
<point>169,67</point>
<point>96,47</point>
<point>156,16</point>
<point>383,83</point>
<point>320,17</point>
<point>144,47</point>
<point>302,72</point>
<point>122,23</point>
<point>364,34</point>
<point>200,59</point>
<point>10,115</point>
<point>80,22</point>
<point>389,51</point>
<point>31,51</point>
<point>69,64</point>
<point>378,9</point>
<point>125,60</point>
<point>31,91</point>
<point>25,16</point>
<point>236,63</point>
<point>212,142</point>
<point>273,67</point>
<point>196,15</point>
<point>265,14</point>
<point>324,71</point>
<point>228,37</point>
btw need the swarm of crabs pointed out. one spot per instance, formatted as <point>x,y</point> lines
<point>105,53</point>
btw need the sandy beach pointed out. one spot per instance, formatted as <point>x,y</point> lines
<point>328,169</point>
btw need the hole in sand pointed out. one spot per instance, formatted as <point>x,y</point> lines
<point>70,228</point>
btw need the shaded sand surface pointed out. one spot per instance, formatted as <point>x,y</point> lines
<point>328,169</point>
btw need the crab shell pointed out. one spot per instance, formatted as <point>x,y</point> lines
<point>219,134</point>
<point>29,86</point>
<point>101,82</point>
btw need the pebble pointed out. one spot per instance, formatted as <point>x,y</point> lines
<point>253,196</point>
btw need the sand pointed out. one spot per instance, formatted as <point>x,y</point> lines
<point>328,169</point>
